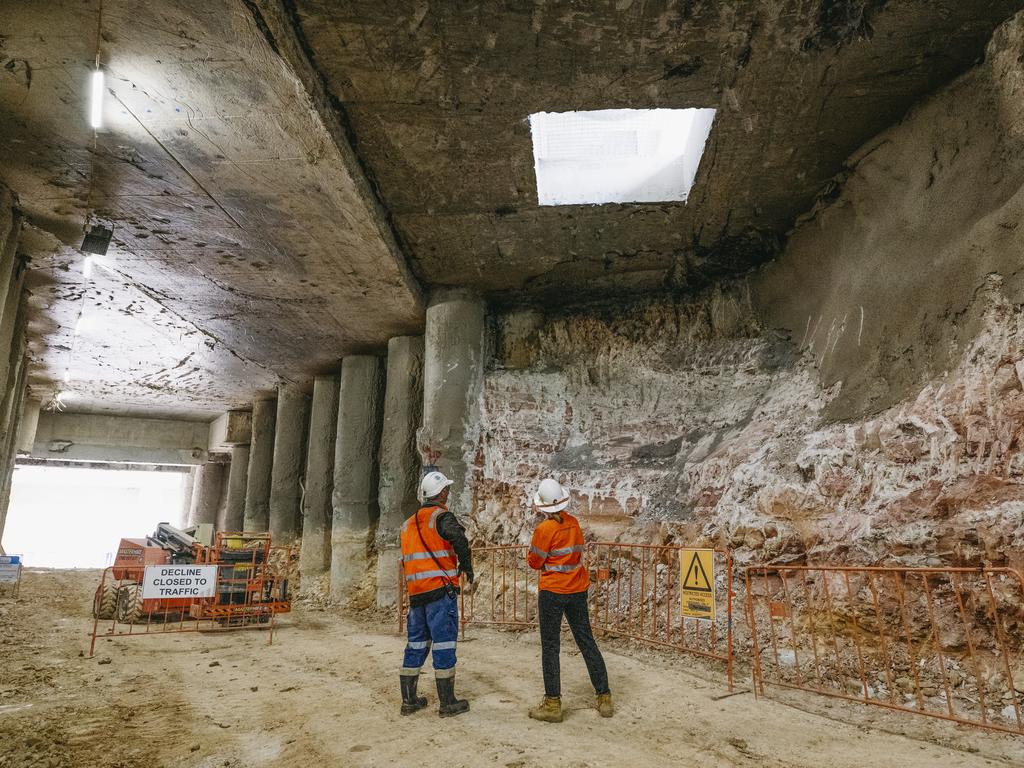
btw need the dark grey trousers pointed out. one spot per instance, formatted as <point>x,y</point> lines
<point>551,608</point>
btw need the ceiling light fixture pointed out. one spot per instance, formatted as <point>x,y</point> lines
<point>96,107</point>
<point>97,240</point>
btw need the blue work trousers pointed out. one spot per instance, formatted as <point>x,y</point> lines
<point>432,627</point>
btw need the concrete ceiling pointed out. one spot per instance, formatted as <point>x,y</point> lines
<point>247,247</point>
<point>283,175</point>
<point>437,96</point>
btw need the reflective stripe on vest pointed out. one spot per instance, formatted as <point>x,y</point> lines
<point>431,575</point>
<point>562,568</point>
<point>557,552</point>
<point>428,555</point>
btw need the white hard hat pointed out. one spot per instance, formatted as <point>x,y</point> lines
<point>551,497</point>
<point>432,484</point>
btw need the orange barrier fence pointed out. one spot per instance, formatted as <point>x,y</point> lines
<point>506,592</point>
<point>251,588</point>
<point>942,642</point>
<point>634,593</point>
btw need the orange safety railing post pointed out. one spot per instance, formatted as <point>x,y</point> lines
<point>728,618</point>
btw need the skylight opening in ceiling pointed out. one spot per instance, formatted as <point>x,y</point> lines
<point>618,155</point>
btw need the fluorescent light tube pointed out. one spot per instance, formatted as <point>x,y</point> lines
<point>96,108</point>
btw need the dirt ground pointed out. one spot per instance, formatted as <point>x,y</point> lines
<point>325,694</point>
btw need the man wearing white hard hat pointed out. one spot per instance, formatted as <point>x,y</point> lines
<point>557,552</point>
<point>435,552</point>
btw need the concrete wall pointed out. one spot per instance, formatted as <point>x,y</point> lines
<point>885,285</point>
<point>103,437</point>
<point>14,360</point>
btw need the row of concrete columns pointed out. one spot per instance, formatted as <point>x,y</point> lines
<point>341,469</point>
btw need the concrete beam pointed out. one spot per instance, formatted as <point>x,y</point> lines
<point>280,24</point>
<point>109,438</point>
<point>289,464</point>
<point>315,556</point>
<point>453,364</point>
<point>230,429</point>
<point>261,461</point>
<point>399,461</point>
<point>354,499</point>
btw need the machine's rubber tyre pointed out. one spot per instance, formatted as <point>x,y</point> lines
<point>104,602</point>
<point>129,604</point>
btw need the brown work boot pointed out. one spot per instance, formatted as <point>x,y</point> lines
<point>549,710</point>
<point>605,708</point>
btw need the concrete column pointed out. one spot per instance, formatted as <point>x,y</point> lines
<point>188,489</point>
<point>289,464</point>
<point>10,444</point>
<point>206,498</point>
<point>399,460</point>
<point>315,555</point>
<point>29,425</point>
<point>261,459</point>
<point>360,401</point>
<point>234,509</point>
<point>453,362</point>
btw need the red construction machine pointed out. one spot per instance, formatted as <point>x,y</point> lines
<point>251,577</point>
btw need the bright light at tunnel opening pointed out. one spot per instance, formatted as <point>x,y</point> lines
<point>96,104</point>
<point>618,155</point>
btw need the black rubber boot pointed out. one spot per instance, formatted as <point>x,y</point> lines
<point>410,701</point>
<point>450,706</point>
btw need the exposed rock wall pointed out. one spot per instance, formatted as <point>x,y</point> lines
<point>859,400</point>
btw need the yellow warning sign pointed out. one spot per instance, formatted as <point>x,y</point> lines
<point>698,583</point>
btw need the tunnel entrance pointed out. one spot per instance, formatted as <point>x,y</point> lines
<point>74,515</point>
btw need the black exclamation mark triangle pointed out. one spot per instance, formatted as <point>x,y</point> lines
<point>696,575</point>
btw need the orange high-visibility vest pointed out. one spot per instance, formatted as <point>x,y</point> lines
<point>557,552</point>
<point>428,562</point>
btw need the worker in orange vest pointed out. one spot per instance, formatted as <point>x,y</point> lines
<point>434,552</point>
<point>557,552</point>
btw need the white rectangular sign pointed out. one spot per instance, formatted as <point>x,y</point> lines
<point>9,573</point>
<point>177,581</point>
